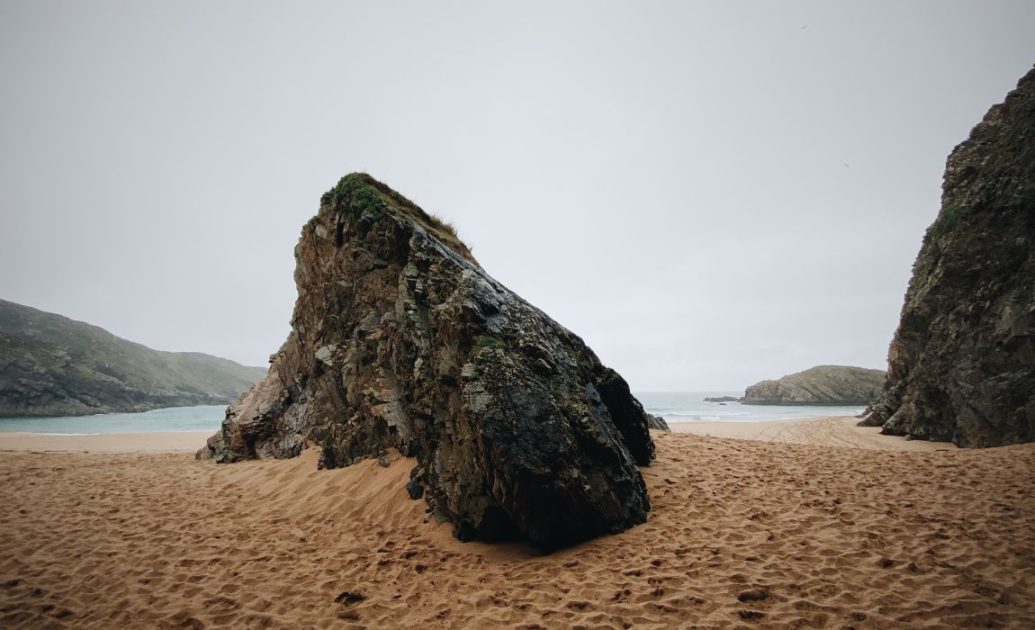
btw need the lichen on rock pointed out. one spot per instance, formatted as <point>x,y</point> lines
<point>401,340</point>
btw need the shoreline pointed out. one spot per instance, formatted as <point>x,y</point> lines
<point>143,442</point>
<point>838,431</point>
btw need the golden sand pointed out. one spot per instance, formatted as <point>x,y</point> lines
<point>748,533</point>
<point>820,431</point>
<point>155,442</point>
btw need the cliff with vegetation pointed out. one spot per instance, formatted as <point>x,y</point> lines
<point>822,385</point>
<point>961,366</point>
<point>54,366</point>
<point>400,341</point>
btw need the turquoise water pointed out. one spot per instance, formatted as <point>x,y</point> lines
<point>672,406</point>
<point>690,407</point>
<point>203,418</point>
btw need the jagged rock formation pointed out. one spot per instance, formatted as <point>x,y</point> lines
<point>400,340</point>
<point>961,367</point>
<point>721,399</point>
<point>820,385</point>
<point>54,366</point>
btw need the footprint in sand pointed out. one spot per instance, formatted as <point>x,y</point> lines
<point>754,595</point>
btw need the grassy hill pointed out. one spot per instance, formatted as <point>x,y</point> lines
<point>51,365</point>
<point>820,385</point>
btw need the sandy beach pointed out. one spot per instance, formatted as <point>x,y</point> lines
<point>821,431</point>
<point>747,533</point>
<point>153,442</point>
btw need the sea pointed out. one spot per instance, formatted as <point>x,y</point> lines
<point>674,407</point>
<point>202,418</point>
<point>677,407</point>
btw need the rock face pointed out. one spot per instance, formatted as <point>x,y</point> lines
<point>54,366</point>
<point>400,340</point>
<point>821,385</point>
<point>962,362</point>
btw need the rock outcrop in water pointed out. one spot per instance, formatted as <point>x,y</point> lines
<point>400,340</point>
<point>821,385</point>
<point>962,362</point>
<point>51,365</point>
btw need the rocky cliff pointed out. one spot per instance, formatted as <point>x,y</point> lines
<point>400,340</point>
<point>54,366</point>
<point>821,385</point>
<point>961,366</point>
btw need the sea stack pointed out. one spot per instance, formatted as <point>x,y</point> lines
<point>400,340</point>
<point>961,367</point>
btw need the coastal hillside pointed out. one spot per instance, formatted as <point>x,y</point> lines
<point>51,365</point>
<point>820,385</point>
<point>962,362</point>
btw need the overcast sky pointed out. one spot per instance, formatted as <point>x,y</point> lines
<point>709,193</point>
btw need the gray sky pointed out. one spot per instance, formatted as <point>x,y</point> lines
<point>708,193</point>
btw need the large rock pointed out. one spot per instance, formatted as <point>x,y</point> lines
<point>961,366</point>
<point>401,340</point>
<point>820,385</point>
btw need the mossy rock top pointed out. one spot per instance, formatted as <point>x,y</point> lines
<point>361,193</point>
